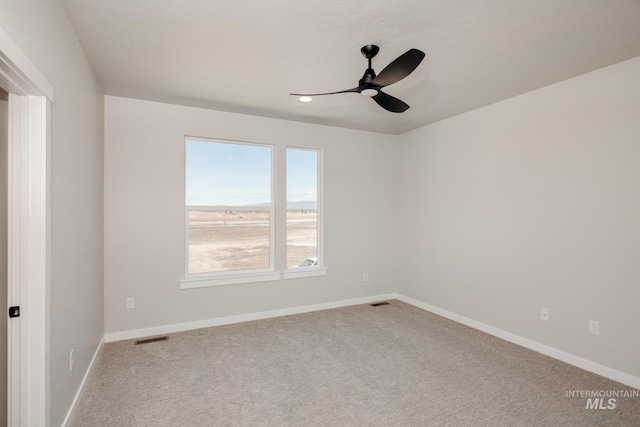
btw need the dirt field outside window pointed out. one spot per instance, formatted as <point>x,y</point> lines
<point>235,240</point>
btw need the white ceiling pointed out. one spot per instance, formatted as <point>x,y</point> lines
<point>246,56</point>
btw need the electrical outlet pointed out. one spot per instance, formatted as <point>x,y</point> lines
<point>544,314</point>
<point>130,303</point>
<point>365,277</point>
<point>71,360</point>
<point>594,327</point>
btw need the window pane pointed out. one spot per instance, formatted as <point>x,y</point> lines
<point>228,200</point>
<point>302,207</point>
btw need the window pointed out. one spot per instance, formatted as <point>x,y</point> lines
<point>302,207</point>
<point>231,213</point>
<point>228,207</point>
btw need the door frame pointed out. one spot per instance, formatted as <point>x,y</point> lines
<point>30,98</point>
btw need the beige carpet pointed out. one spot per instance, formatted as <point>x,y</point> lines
<point>393,365</point>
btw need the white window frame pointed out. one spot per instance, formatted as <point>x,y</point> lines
<point>277,229</point>
<point>200,280</point>
<point>320,269</point>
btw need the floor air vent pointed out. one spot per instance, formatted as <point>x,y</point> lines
<point>149,340</point>
<point>378,304</point>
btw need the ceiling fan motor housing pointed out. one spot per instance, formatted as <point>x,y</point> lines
<point>368,76</point>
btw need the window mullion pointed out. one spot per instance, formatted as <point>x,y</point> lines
<point>280,196</point>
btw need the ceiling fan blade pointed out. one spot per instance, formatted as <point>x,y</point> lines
<point>355,89</point>
<point>400,68</point>
<point>390,103</point>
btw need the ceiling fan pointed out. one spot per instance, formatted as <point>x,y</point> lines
<point>371,84</point>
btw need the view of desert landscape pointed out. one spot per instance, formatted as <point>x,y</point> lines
<point>231,239</point>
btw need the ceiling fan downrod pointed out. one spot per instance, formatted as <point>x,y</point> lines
<point>369,51</point>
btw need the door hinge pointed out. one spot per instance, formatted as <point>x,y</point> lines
<point>14,311</point>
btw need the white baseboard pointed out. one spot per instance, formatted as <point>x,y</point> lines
<point>76,398</point>
<point>571,359</point>
<point>188,326</point>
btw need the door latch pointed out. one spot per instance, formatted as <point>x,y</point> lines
<point>14,311</point>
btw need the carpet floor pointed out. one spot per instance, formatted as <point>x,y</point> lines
<point>392,365</point>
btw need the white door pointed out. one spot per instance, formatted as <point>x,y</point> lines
<point>27,266</point>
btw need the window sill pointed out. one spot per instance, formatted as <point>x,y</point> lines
<point>205,282</point>
<point>208,281</point>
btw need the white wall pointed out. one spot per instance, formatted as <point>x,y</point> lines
<point>533,202</point>
<point>144,214</point>
<point>41,30</point>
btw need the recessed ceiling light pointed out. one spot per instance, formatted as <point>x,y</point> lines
<point>369,92</point>
<point>305,99</point>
